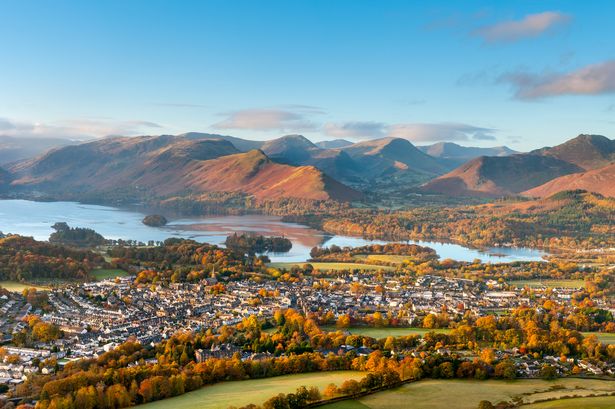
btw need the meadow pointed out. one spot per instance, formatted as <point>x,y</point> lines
<point>105,273</point>
<point>434,394</point>
<point>17,287</point>
<point>548,283</point>
<point>604,402</point>
<point>333,266</point>
<point>257,391</point>
<point>604,337</point>
<point>383,332</point>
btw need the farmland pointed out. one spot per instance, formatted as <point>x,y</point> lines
<point>548,283</point>
<point>257,391</point>
<point>432,394</point>
<point>104,273</point>
<point>334,266</point>
<point>383,332</point>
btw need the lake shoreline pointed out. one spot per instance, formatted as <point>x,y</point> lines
<point>34,218</point>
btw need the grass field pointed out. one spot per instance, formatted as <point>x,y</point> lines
<point>604,337</point>
<point>257,391</point>
<point>462,394</point>
<point>334,266</point>
<point>18,287</point>
<point>104,273</point>
<point>383,258</point>
<point>548,283</point>
<point>379,333</point>
<point>601,402</point>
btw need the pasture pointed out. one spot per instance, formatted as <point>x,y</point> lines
<point>257,391</point>
<point>604,337</point>
<point>548,283</point>
<point>105,273</point>
<point>434,394</point>
<point>333,266</point>
<point>17,287</point>
<point>383,332</point>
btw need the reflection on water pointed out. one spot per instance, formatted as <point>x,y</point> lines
<point>35,219</point>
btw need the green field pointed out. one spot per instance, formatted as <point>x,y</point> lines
<point>18,287</point>
<point>383,258</point>
<point>548,283</point>
<point>104,273</point>
<point>384,332</point>
<point>466,394</point>
<point>604,337</point>
<point>605,402</point>
<point>257,391</point>
<point>334,266</point>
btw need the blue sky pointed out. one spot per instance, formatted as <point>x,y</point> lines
<point>525,73</point>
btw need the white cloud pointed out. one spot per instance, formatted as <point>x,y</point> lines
<point>78,129</point>
<point>266,120</point>
<point>446,131</point>
<point>416,132</point>
<point>359,130</point>
<point>531,25</point>
<point>589,80</point>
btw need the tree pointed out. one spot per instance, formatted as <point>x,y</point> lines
<point>506,370</point>
<point>330,391</point>
<point>485,404</point>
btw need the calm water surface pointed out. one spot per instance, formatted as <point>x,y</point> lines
<point>35,219</point>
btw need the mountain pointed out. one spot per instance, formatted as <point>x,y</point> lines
<point>333,144</point>
<point>167,165</point>
<point>254,173</point>
<point>293,149</point>
<point>601,180</point>
<point>515,174</point>
<point>586,151</point>
<point>242,145</point>
<point>387,155</point>
<point>489,176</point>
<point>454,155</point>
<point>299,151</point>
<point>13,149</point>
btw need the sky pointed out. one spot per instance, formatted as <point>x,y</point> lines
<point>525,74</point>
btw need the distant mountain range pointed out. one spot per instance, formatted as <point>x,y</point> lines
<point>292,166</point>
<point>454,155</point>
<point>13,149</point>
<point>525,173</point>
<point>168,165</point>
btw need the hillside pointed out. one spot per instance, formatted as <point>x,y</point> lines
<point>163,166</point>
<point>586,151</point>
<point>254,173</point>
<point>601,180</point>
<point>497,176</point>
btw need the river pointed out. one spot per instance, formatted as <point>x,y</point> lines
<point>34,219</point>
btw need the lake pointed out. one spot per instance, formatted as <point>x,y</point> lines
<point>34,219</point>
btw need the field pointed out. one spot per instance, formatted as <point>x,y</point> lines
<point>379,333</point>
<point>604,337</point>
<point>548,283</point>
<point>257,391</point>
<point>434,394</point>
<point>334,266</point>
<point>18,287</point>
<point>104,273</point>
<point>607,402</point>
<point>383,258</point>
